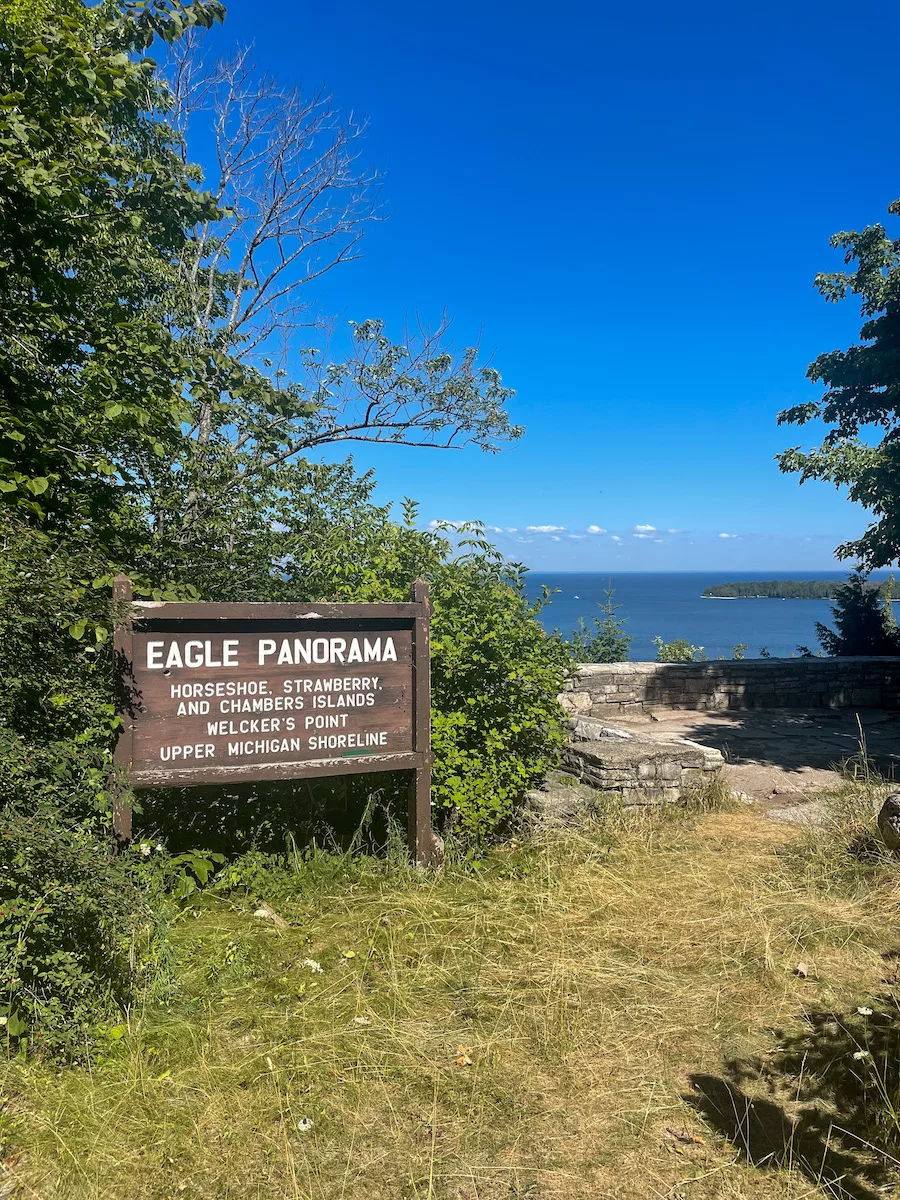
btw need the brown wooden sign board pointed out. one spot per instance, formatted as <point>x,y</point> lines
<point>227,693</point>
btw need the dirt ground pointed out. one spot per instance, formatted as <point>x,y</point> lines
<point>783,756</point>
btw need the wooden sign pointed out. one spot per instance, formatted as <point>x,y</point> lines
<point>226,693</point>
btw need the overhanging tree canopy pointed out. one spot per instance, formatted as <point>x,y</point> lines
<point>95,205</point>
<point>861,403</point>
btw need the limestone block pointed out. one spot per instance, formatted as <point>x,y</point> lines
<point>668,770</point>
<point>591,729</point>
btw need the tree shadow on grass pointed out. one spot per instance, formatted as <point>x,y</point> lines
<point>824,1102</point>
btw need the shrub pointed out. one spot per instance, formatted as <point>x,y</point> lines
<point>497,725</point>
<point>57,716</point>
<point>77,938</point>
<point>679,650</point>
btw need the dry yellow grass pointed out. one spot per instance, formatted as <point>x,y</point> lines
<point>578,1020</point>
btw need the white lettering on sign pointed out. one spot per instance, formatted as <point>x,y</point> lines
<point>341,683</point>
<point>194,654</point>
<point>347,741</point>
<point>327,721</point>
<point>200,750</point>
<point>284,746</point>
<point>295,651</point>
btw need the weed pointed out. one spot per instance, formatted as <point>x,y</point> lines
<point>709,793</point>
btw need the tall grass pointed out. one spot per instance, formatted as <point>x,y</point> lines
<point>524,1022</point>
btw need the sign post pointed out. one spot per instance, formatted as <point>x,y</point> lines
<point>225,693</point>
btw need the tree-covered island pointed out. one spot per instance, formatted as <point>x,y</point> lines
<point>787,589</point>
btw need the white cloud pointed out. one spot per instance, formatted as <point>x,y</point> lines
<point>595,529</point>
<point>545,529</point>
<point>554,538</point>
<point>446,524</point>
<point>616,538</point>
<point>728,535</point>
<point>512,530</point>
<point>493,529</point>
<point>646,536</point>
<point>576,537</point>
<point>645,529</point>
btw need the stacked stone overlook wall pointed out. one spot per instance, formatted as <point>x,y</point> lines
<point>603,689</point>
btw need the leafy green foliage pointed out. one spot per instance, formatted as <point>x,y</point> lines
<point>497,726</point>
<point>94,204</point>
<point>863,622</point>
<point>862,394</point>
<point>607,642</point>
<point>194,868</point>
<point>57,714</point>
<point>129,439</point>
<point>77,939</point>
<point>679,650</point>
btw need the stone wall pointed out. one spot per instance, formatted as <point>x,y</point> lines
<point>603,689</point>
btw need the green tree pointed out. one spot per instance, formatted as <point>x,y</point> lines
<point>607,642</point>
<point>273,381</point>
<point>863,625</point>
<point>95,204</point>
<point>861,402</point>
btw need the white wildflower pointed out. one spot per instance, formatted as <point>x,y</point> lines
<point>304,1125</point>
<point>315,967</point>
<point>861,1054</point>
<point>864,1012</point>
<point>144,848</point>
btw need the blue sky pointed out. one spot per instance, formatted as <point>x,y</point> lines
<point>625,206</point>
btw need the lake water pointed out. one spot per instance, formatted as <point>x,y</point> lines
<point>671,605</point>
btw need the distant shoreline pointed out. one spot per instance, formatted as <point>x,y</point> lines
<point>789,589</point>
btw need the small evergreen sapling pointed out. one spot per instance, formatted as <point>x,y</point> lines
<point>608,642</point>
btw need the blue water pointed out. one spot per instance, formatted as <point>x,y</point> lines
<point>671,605</point>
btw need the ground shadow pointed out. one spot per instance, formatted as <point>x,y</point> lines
<point>825,1102</point>
<point>339,813</point>
<point>793,739</point>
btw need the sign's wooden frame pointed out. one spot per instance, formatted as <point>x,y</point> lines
<point>425,848</point>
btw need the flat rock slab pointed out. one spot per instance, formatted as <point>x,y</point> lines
<point>812,812</point>
<point>663,770</point>
<point>592,729</point>
<point>780,753</point>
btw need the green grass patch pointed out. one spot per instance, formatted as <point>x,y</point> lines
<point>535,1022</point>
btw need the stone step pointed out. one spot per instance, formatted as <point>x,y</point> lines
<point>663,770</point>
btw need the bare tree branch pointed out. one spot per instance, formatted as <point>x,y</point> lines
<point>285,176</point>
<point>292,204</point>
